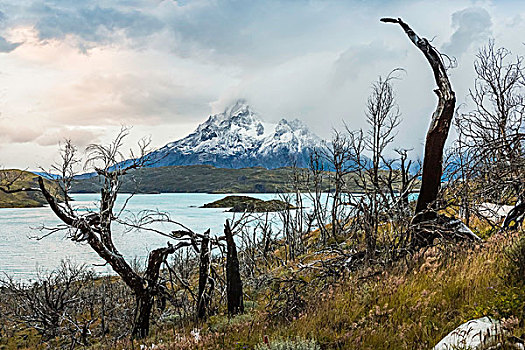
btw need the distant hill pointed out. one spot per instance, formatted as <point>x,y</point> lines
<point>23,199</point>
<point>197,179</point>
<point>204,179</point>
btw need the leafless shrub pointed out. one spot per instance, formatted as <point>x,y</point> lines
<point>67,306</point>
<point>490,146</point>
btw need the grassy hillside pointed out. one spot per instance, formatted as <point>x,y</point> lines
<point>22,199</point>
<point>316,300</point>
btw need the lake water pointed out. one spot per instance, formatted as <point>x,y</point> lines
<point>22,255</point>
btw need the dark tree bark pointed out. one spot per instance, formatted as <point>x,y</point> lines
<point>203,298</point>
<point>145,297</point>
<point>233,275</point>
<point>144,304</point>
<point>437,133</point>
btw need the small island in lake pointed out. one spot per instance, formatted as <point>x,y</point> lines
<point>239,204</point>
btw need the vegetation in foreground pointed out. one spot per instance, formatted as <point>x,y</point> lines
<point>411,304</point>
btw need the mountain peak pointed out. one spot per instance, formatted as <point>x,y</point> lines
<point>238,107</point>
<point>238,138</point>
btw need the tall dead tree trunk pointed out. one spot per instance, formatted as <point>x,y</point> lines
<point>233,274</point>
<point>437,133</point>
<point>203,298</point>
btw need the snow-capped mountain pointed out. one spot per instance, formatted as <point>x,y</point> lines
<point>238,138</point>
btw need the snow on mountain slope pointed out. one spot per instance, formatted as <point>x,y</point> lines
<point>237,138</point>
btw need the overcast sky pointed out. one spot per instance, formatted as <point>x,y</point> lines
<point>81,69</point>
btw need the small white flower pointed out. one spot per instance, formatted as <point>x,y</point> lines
<point>196,335</point>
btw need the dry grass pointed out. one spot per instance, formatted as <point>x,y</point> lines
<point>411,305</point>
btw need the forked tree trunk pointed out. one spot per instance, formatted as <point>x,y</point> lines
<point>436,136</point>
<point>94,228</point>
<point>145,288</point>
<point>233,275</point>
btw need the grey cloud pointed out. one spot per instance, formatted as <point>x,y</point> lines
<point>224,31</point>
<point>231,30</point>
<point>254,32</point>
<point>138,99</point>
<point>92,23</point>
<point>473,25</point>
<point>6,46</point>
<point>161,98</point>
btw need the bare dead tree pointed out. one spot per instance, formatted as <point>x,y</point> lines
<point>437,133</point>
<point>52,303</point>
<point>492,135</point>
<point>68,307</point>
<point>339,156</point>
<point>179,274</point>
<point>317,176</point>
<point>257,241</point>
<point>407,178</point>
<point>296,223</point>
<point>326,187</point>
<point>383,183</point>
<point>382,117</point>
<point>95,227</point>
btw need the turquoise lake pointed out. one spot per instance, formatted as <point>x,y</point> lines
<point>23,254</point>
